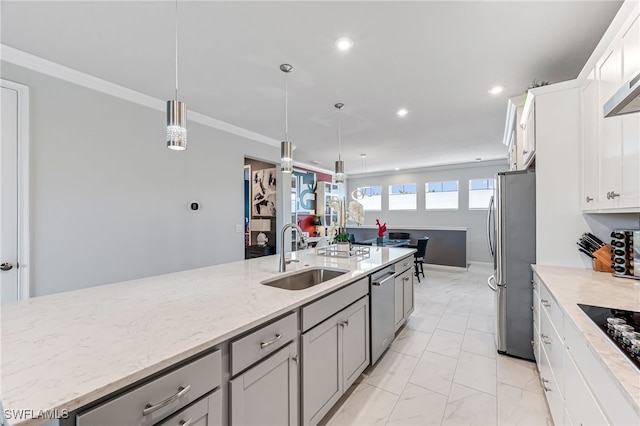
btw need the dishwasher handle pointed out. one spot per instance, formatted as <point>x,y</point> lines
<point>388,276</point>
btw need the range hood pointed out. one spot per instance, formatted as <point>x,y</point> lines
<point>626,100</point>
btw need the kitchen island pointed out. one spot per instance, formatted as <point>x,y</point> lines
<point>64,351</point>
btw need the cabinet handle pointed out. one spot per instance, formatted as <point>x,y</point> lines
<point>614,195</point>
<point>294,358</point>
<point>533,309</point>
<point>533,344</point>
<point>405,279</point>
<point>182,391</point>
<point>187,423</point>
<point>270,342</point>
<point>524,151</point>
<point>542,383</point>
<point>545,339</point>
<point>344,323</point>
<point>589,199</point>
<point>545,302</point>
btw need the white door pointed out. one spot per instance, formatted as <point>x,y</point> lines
<point>14,128</point>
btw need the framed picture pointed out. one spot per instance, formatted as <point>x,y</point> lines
<point>305,185</point>
<point>263,193</point>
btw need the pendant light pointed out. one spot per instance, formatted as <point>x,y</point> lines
<point>286,149</point>
<point>339,163</point>
<point>176,112</point>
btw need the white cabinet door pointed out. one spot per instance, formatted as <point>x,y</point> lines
<point>609,74</point>
<point>407,282</point>
<point>334,354</point>
<point>321,369</point>
<point>630,154</point>
<point>528,124</point>
<point>267,393</point>
<point>399,301</point>
<point>590,149</point>
<point>355,341</point>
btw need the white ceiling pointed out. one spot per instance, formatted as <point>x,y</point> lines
<point>435,58</point>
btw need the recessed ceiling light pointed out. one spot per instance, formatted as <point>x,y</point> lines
<point>316,162</point>
<point>496,89</point>
<point>344,43</point>
<point>402,112</point>
<point>397,168</point>
<point>478,159</point>
<point>363,155</point>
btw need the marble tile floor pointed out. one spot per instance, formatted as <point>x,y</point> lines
<point>443,368</point>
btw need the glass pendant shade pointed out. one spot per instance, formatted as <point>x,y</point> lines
<point>176,125</point>
<point>286,157</point>
<point>339,171</point>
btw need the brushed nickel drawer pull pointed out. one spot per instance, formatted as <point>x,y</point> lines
<point>270,342</point>
<point>542,382</point>
<point>545,302</point>
<point>182,391</point>
<point>187,423</point>
<point>544,339</point>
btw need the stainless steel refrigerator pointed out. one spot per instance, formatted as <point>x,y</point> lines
<point>511,233</point>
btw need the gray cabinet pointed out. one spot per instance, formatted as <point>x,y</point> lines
<point>267,393</point>
<point>205,412</point>
<point>403,295</point>
<point>334,354</point>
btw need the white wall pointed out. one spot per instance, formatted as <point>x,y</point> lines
<point>109,200</point>
<point>473,220</point>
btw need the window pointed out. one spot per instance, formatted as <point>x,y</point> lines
<point>402,197</point>
<point>370,197</point>
<point>480,191</point>
<point>441,195</point>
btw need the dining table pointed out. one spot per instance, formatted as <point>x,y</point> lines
<point>386,242</point>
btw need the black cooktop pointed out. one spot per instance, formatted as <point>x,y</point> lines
<point>620,326</point>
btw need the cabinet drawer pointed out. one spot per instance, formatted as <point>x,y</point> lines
<point>554,347</point>
<point>404,264</point>
<point>581,405</point>
<point>317,312</point>
<point>261,342</point>
<point>190,382</point>
<point>549,304</point>
<point>206,412</point>
<point>550,389</point>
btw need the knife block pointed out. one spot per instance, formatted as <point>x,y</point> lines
<point>602,262</point>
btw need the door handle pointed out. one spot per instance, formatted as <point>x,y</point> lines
<point>6,266</point>
<point>492,278</point>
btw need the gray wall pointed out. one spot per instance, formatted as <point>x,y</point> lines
<point>109,200</point>
<point>473,220</point>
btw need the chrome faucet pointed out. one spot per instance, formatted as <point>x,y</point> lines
<point>283,262</point>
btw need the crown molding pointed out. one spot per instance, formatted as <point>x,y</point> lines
<point>484,163</point>
<point>52,69</point>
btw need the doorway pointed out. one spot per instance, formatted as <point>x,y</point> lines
<point>14,189</point>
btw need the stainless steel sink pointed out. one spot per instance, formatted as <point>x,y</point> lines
<point>304,279</point>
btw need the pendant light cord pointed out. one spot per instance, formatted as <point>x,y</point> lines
<point>286,108</point>
<point>176,50</point>
<point>339,134</point>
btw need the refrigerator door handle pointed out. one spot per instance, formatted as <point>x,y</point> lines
<point>492,287</point>
<point>489,215</point>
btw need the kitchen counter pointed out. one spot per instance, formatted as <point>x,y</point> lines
<point>63,351</point>
<point>570,286</point>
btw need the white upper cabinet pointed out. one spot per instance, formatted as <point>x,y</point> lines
<point>528,125</point>
<point>611,146</point>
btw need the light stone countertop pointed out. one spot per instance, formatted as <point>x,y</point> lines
<point>570,286</point>
<point>66,350</point>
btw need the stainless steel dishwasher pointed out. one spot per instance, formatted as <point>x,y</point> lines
<point>382,311</point>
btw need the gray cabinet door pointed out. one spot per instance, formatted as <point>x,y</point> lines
<point>408,293</point>
<point>267,393</point>
<point>399,301</point>
<point>321,369</point>
<point>355,341</point>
